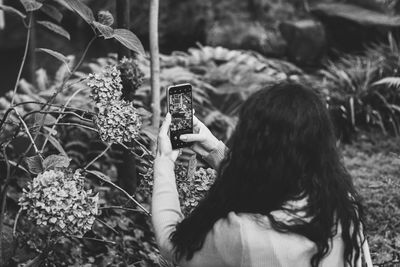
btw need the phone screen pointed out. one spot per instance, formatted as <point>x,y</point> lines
<point>181,109</point>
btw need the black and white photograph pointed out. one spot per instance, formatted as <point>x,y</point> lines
<point>200,133</point>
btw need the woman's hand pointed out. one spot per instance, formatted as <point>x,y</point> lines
<point>164,146</point>
<point>204,140</point>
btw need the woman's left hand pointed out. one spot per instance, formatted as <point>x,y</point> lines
<point>164,146</point>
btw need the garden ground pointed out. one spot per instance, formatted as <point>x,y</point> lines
<point>374,163</point>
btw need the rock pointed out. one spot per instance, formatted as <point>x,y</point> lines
<point>356,14</point>
<point>306,41</point>
<point>349,27</point>
<point>246,35</point>
<point>375,5</point>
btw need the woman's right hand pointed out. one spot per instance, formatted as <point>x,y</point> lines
<point>203,140</point>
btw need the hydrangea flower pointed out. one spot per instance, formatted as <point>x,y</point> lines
<point>57,199</point>
<point>118,122</point>
<point>190,190</point>
<point>132,77</point>
<point>106,86</point>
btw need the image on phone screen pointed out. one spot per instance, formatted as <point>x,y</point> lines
<point>180,107</point>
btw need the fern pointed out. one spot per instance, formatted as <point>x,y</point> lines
<point>389,81</point>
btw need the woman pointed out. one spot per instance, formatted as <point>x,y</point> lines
<point>282,196</point>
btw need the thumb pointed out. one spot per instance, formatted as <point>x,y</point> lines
<point>192,137</point>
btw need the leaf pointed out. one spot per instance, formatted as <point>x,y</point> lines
<point>106,31</point>
<point>100,175</point>
<point>57,145</point>
<point>34,164</point>
<point>56,161</point>
<point>31,5</point>
<point>37,119</point>
<point>55,28</point>
<point>13,11</point>
<point>52,12</point>
<point>83,10</point>
<point>55,54</point>
<point>129,39</point>
<point>390,81</point>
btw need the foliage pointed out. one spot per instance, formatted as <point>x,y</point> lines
<point>55,201</point>
<point>358,86</point>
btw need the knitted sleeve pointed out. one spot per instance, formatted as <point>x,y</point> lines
<point>215,157</point>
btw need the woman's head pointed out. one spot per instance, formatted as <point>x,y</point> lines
<point>283,148</point>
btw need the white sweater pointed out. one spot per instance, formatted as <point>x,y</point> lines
<point>237,240</point>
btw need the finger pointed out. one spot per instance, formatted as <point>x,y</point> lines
<point>192,137</point>
<point>165,126</point>
<point>196,121</point>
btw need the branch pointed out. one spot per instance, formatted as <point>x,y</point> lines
<point>24,57</point>
<point>50,101</point>
<point>98,156</point>
<point>120,189</point>
<point>16,222</point>
<point>4,199</point>
<point>29,134</point>
<point>94,239</point>
<point>73,124</point>
<point>59,117</point>
<point>108,226</point>
<point>120,208</point>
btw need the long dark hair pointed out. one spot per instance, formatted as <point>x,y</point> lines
<point>283,148</point>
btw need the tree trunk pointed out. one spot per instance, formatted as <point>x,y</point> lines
<point>155,66</point>
<point>123,21</point>
<point>2,21</point>
<point>32,53</point>
<point>127,169</point>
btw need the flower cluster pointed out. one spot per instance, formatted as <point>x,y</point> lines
<point>105,86</point>
<point>132,77</point>
<point>191,189</point>
<point>58,200</point>
<point>118,122</point>
<point>117,119</point>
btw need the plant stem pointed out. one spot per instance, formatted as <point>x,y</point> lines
<point>108,226</point>
<point>122,190</point>
<point>120,208</point>
<point>83,55</point>
<point>74,124</point>
<point>4,200</point>
<point>16,222</point>
<point>50,101</point>
<point>143,148</point>
<point>98,156</point>
<point>94,239</point>
<point>23,58</point>
<point>29,134</point>
<point>59,117</point>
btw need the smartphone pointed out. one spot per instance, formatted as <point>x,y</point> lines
<point>180,106</point>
